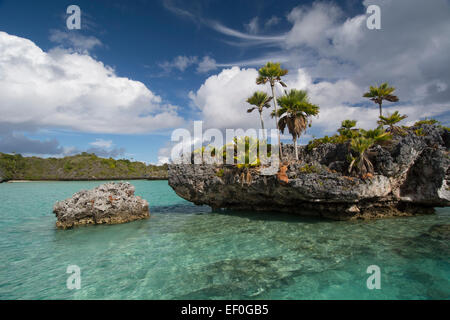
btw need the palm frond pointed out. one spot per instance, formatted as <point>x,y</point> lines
<point>295,111</point>
<point>271,72</point>
<point>380,93</point>
<point>260,100</point>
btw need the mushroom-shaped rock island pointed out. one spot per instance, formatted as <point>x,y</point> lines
<point>411,176</point>
<point>110,203</point>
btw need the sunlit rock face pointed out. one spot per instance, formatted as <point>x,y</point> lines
<point>110,203</point>
<point>412,176</point>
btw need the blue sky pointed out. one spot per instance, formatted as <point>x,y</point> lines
<point>194,60</point>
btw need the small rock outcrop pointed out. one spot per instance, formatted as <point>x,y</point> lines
<point>412,176</point>
<point>110,203</point>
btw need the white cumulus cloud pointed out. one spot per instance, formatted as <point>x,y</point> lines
<point>221,99</point>
<point>62,89</point>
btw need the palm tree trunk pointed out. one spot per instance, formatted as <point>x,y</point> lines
<point>295,147</point>
<point>276,118</point>
<point>262,125</point>
<point>381,111</point>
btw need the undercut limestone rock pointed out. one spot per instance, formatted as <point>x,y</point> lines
<point>411,177</point>
<point>110,203</point>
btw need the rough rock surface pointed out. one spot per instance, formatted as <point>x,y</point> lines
<point>110,203</point>
<point>412,176</point>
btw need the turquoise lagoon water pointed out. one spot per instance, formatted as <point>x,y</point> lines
<point>189,252</point>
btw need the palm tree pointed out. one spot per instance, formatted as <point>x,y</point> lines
<point>272,73</point>
<point>347,129</point>
<point>391,120</point>
<point>378,135</point>
<point>361,145</point>
<point>205,153</point>
<point>348,124</point>
<point>295,113</point>
<point>378,94</point>
<point>249,156</point>
<point>259,100</point>
<point>361,162</point>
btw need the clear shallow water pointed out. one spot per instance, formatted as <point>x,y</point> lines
<point>187,252</point>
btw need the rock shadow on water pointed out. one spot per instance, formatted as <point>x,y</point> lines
<point>270,216</point>
<point>187,208</point>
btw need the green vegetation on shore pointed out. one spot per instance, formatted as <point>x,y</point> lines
<point>84,166</point>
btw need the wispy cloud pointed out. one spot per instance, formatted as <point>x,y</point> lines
<point>180,63</point>
<point>74,40</point>
<point>253,26</point>
<point>207,64</point>
<point>246,39</point>
<point>102,143</point>
<point>274,20</point>
<point>256,62</point>
<point>170,5</point>
<point>254,39</point>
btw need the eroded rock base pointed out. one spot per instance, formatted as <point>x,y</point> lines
<point>341,212</point>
